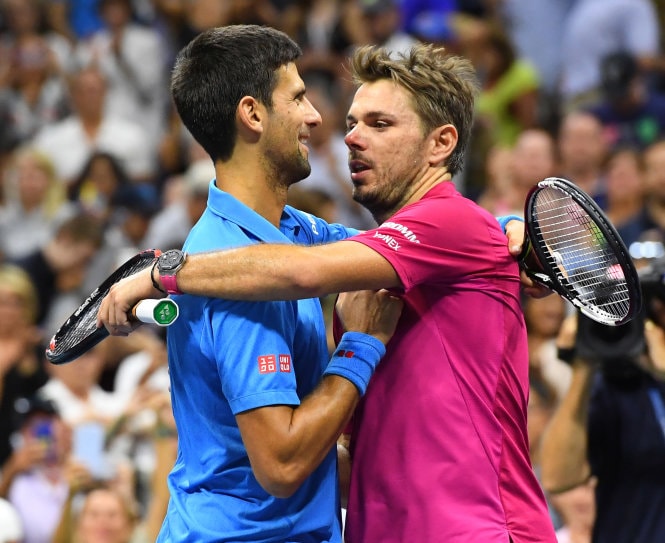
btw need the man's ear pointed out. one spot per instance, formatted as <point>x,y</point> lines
<point>250,115</point>
<point>444,140</point>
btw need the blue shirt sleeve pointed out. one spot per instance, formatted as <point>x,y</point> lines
<point>253,346</point>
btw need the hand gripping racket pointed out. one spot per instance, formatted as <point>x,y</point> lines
<point>572,248</point>
<point>79,333</point>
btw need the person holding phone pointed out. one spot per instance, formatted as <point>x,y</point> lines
<point>35,478</point>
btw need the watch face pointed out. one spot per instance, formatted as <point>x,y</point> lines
<point>170,260</point>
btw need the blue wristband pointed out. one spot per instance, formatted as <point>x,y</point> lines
<point>356,358</point>
<point>503,221</point>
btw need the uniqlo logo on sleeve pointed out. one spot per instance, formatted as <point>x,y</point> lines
<point>267,363</point>
<point>285,363</point>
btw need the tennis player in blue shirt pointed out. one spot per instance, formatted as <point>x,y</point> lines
<point>256,422</point>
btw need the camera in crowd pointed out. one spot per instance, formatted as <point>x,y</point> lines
<point>617,348</point>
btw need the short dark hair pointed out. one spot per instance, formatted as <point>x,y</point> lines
<point>216,69</point>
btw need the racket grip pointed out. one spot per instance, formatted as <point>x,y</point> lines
<point>162,312</point>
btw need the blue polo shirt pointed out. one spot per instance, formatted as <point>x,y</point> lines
<point>226,357</point>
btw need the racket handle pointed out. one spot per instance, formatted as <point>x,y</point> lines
<point>162,312</point>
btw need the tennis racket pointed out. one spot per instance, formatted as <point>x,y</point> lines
<point>572,248</point>
<point>79,333</point>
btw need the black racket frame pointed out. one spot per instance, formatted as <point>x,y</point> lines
<point>96,335</point>
<point>535,262</point>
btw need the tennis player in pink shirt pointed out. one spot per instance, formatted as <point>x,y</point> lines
<point>439,445</point>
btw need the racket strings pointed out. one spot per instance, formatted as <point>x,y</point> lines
<point>580,253</point>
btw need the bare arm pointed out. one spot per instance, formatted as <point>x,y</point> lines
<point>285,444</point>
<point>275,272</point>
<point>563,453</point>
<point>259,272</point>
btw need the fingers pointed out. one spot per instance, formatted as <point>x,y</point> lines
<point>115,309</point>
<point>113,316</point>
<point>533,288</point>
<point>515,235</point>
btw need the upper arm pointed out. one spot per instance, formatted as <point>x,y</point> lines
<point>265,435</point>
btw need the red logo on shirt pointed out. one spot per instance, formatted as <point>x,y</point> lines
<point>285,363</point>
<point>267,363</point>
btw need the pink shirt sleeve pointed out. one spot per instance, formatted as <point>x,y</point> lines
<point>441,239</point>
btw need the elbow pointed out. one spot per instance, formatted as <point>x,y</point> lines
<point>308,282</point>
<point>281,482</point>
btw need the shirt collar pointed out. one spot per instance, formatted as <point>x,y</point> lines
<point>223,204</point>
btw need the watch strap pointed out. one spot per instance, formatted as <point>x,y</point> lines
<point>170,284</point>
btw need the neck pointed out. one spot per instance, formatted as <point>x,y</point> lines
<point>91,124</point>
<point>420,186</point>
<point>253,187</point>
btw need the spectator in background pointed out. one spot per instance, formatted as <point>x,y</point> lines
<point>381,24</point>
<point>188,195</point>
<point>34,204</point>
<point>508,101</point>
<point>11,527</point>
<point>131,58</point>
<point>506,106</point>
<point>99,184</point>
<point>582,152</point>
<point>74,19</point>
<point>497,192</point>
<point>534,159</point>
<point>22,372</point>
<point>106,516</point>
<point>58,269</point>
<point>610,426</point>
<point>74,390</point>
<point>70,142</point>
<point>25,19</point>
<point>110,512</point>
<point>445,22</point>
<point>544,317</point>
<point>319,28</point>
<point>592,30</point>
<point>534,26</point>
<point>626,194</point>
<point>35,478</point>
<point>549,377</point>
<point>33,95</point>
<point>654,187</point>
<point>630,112</point>
<point>577,510</point>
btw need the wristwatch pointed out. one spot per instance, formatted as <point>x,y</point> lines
<point>168,265</point>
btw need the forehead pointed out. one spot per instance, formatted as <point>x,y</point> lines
<point>383,96</point>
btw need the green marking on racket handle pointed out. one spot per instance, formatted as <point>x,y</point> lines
<point>163,312</point>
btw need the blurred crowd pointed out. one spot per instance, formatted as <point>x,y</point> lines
<point>95,166</point>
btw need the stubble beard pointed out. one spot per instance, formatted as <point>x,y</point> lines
<point>291,169</point>
<point>380,201</point>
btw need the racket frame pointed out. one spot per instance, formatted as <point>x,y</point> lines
<point>536,262</point>
<point>98,334</point>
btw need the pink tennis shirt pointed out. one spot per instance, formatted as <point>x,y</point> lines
<point>439,444</point>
